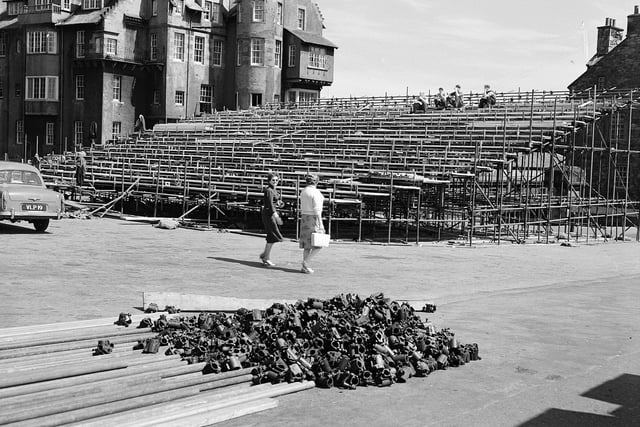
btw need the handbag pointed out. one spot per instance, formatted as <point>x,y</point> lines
<point>320,240</point>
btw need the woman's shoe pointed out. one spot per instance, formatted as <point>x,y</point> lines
<point>306,270</point>
<point>266,262</point>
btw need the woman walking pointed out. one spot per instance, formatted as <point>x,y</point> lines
<point>270,217</point>
<point>311,200</point>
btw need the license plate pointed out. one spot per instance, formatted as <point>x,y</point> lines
<point>38,207</point>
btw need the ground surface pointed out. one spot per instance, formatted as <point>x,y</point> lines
<point>558,327</point>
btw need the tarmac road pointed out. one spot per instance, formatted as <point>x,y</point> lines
<point>558,327</point>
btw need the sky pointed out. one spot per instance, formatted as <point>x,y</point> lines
<point>397,46</point>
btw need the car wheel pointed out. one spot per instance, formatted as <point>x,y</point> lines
<point>41,225</point>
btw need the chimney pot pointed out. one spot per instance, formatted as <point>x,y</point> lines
<point>613,22</point>
<point>635,9</point>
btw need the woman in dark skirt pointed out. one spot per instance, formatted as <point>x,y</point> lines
<point>270,218</point>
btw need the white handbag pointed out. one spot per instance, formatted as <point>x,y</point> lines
<point>320,240</point>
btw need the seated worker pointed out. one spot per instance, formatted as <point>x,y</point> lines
<point>419,105</point>
<point>455,98</point>
<point>488,98</point>
<point>440,100</point>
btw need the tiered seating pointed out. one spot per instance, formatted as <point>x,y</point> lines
<point>371,155</point>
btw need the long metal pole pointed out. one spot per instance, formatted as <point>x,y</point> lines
<point>626,186</point>
<point>551,166</point>
<point>209,198</point>
<point>593,142</point>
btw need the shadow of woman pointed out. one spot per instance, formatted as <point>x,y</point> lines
<point>253,264</point>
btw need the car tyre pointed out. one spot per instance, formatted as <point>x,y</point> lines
<point>41,225</point>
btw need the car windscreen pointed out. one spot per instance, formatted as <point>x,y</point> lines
<point>19,177</point>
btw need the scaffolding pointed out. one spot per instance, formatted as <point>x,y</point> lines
<point>536,167</point>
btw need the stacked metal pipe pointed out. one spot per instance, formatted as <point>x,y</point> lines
<point>346,341</point>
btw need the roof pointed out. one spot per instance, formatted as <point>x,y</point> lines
<point>16,166</point>
<point>7,24</point>
<point>596,60</point>
<point>311,38</point>
<point>191,4</point>
<point>92,17</point>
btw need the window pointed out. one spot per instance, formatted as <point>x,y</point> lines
<point>80,87</point>
<point>276,99</point>
<point>215,13</point>
<point>258,10</point>
<point>292,56</point>
<point>198,49</point>
<point>307,97</point>
<point>179,98</point>
<point>19,132</point>
<point>278,54</point>
<point>1,89</point>
<point>257,51</point>
<point>79,44</point>
<point>217,53</point>
<point>238,55</point>
<point>42,88</point>
<point>117,88</point>
<point>18,90</point>
<point>178,46</point>
<point>206,98</point>
<point>110,46</point>
<point>601,82</point>
<point>206,12</point>
<point>279,14</point>
<point>50,132</point>
<point>92,4</point>
<point>3,43</point>
<point>41,5</point>
<point>15,7</point>
<point>66,4</point>
<point>156,96</point>
<point>256,99</point>
<point>317,58</point>
<point>42,42</point>
<point>154,7</point>
<point>78,132</point>
<point>239,13</point>
<point>154,46</point>
<point>302,19</point>
<point>116,130</point>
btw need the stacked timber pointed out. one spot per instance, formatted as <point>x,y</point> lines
<point>49,376</point>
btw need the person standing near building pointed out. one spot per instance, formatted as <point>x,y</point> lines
<point>81,168</point>
<point>271,220</point>
<point>311,201</point>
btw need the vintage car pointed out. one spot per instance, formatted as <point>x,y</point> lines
<point>24,197</point>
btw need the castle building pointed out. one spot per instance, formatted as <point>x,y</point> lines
<point>615,64</point>
<point>77,72</point>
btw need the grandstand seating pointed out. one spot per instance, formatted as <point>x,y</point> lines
<point>368,152</point>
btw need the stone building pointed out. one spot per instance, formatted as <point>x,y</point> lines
<point>77,72</point>
<point>616,62</point>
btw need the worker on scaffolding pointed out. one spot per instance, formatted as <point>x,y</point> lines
<point>488,98</point>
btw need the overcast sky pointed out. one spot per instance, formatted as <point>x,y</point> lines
<point>389,45</point>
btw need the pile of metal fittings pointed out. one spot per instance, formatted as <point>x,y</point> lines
<point>346,341</point>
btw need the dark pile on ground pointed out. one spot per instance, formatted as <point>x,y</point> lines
<point>346,341</point>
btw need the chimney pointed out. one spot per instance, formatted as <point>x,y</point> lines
<point>608,37</point>
<point>633,23</point>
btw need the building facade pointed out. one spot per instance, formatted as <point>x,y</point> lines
<point>616,62</point>
<point>77,72</point>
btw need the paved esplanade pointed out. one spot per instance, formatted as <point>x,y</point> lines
<point>558,327</point>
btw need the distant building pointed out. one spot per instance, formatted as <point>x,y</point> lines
<point>616,63</point>
<point>75,72</point>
